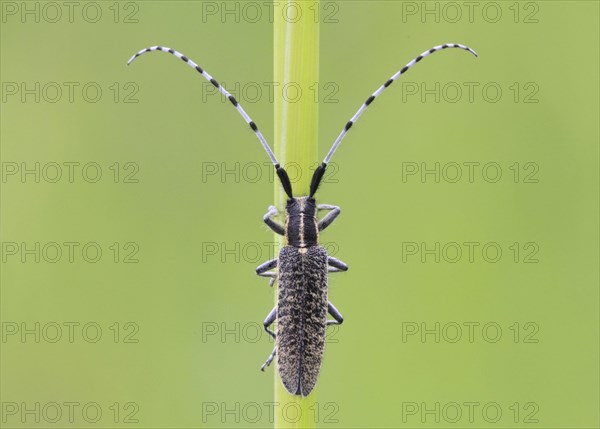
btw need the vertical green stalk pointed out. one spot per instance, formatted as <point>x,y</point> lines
<point>296,69</point>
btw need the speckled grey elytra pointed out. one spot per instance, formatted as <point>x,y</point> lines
<point>302,265</point>
<point>301,316</point>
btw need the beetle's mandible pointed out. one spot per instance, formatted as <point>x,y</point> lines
<point>302,266</point>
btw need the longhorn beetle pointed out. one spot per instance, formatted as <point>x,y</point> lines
<point>302,265</point>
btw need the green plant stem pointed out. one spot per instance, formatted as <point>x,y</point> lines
<point>296,69</point>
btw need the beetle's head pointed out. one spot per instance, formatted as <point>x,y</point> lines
<point>301,205</point>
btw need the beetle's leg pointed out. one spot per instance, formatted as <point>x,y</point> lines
<point>269,321</point>
<point>269,360</point>
<point>268,218</point>
<point>263,270</point>
<point>335,314</point>
<point>272,275</point>
<point>335,265</point>
<point>330,217</point>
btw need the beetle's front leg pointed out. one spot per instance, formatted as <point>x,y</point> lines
<point>263,270</point>
<point>334,211</point>
<point>268,218</point>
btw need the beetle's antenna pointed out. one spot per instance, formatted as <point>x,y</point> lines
<point>383,87</point>
<point>320,171</point>
<point>285,181</point>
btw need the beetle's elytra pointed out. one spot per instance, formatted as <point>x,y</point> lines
<point>302,316</point>
<point>302,266</point>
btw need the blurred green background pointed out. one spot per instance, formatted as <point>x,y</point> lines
<point>163,328</point>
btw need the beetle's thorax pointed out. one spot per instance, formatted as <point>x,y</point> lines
<point>301,222</point>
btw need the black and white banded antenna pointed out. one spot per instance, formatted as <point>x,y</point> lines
<point>318,174</point>
<point>285,181</point>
